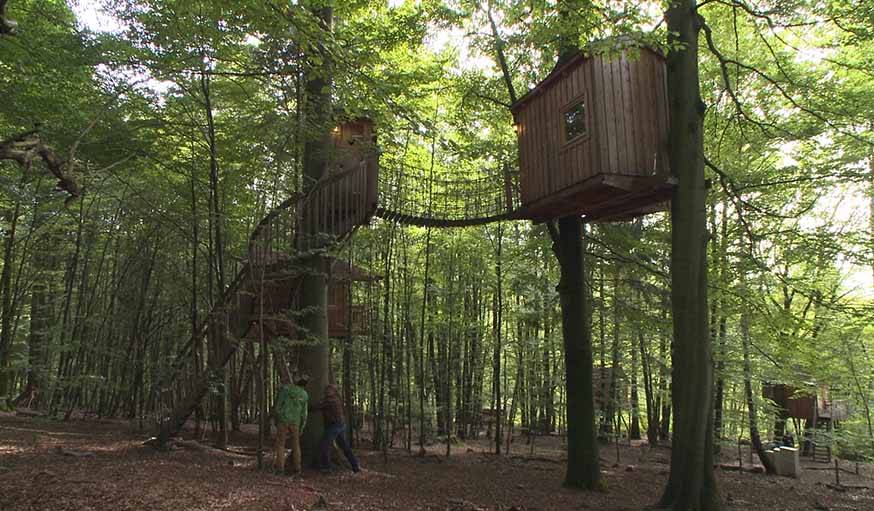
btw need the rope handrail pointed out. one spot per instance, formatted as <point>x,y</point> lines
<point>413,199</point>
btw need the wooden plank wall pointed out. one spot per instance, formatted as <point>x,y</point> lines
<point>626,104</point>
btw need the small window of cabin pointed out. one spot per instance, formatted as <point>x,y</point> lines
<point>356,133</point>
<point>575,121</point>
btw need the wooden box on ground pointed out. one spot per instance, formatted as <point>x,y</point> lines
<point>785,461</point>
<point>593,138</point>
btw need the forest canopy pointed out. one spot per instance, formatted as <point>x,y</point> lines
<point>159,133</point>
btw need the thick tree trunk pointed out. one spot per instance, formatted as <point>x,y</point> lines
<point>691,484</point>
<point>314,290</point>
<point>583,470</point>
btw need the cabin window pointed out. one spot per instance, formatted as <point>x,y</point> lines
<point>575,121</point>
<point>356,133</point>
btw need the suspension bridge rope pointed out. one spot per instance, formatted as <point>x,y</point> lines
<point>409,195</point>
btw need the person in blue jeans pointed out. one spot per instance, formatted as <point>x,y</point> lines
<point>335,430</point>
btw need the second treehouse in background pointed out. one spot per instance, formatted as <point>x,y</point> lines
<point>593,138</point>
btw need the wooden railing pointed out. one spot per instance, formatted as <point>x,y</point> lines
<point>338,319</point>
<point>327,214</point>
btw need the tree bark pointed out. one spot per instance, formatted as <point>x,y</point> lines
<point>583,469</point>
<point>314,290</point>
<point>8,304</point>
<point>755,438</point>
<point>691,485</point>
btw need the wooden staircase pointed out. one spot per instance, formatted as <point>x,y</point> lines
<point>330,212</point>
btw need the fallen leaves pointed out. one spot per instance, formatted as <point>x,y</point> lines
<point>125,475</point>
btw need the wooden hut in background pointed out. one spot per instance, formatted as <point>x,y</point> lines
<point>813,404</point>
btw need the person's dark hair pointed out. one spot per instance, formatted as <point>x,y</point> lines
<point>302,380</point>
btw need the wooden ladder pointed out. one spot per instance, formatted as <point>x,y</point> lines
<point>822,453</point>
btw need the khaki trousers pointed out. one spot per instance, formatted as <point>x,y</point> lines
<point>279,447</point>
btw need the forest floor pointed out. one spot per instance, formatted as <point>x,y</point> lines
<point>96,464</point>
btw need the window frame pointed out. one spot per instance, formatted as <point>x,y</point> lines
<point>579,98</point>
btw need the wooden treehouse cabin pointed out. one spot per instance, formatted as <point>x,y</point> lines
<point>350,199</point>
<point>593,138</point>
<point>346,318</point>
<point>343,199</point>
<point>280,296</point>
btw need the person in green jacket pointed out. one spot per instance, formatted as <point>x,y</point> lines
<point>291,417</point>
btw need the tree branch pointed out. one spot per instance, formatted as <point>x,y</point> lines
<point>7,26</point>
<point>723,65</point>
<point>23,148</point>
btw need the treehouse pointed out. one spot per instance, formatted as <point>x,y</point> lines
<point>344,317</point>
<point>593,138</point>
<point>350,198</point>
<point>343,199</point>
<point>814,405</point>
<point>271,307</point>
<point>602,380</point>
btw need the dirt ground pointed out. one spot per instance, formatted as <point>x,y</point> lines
<point>39,470</point>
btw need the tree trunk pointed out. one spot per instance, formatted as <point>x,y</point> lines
<point>613,409</point>
<point>604,426</point>
<point>634,427</point>
<point>498,323</point>
<point>691,485</point>
<point>755,439</point>
<point>583,470</point>
<point>664,385</point>
<point>8,304</point>
<point>422,342</point>
<point>314,289</point>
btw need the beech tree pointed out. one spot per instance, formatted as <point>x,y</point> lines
<point>691,484</point>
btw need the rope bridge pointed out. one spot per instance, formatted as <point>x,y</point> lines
<point>407,195</point>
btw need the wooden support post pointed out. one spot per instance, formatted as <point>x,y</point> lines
<point>837,473</point>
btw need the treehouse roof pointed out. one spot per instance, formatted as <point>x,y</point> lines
<point>599,47</point>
